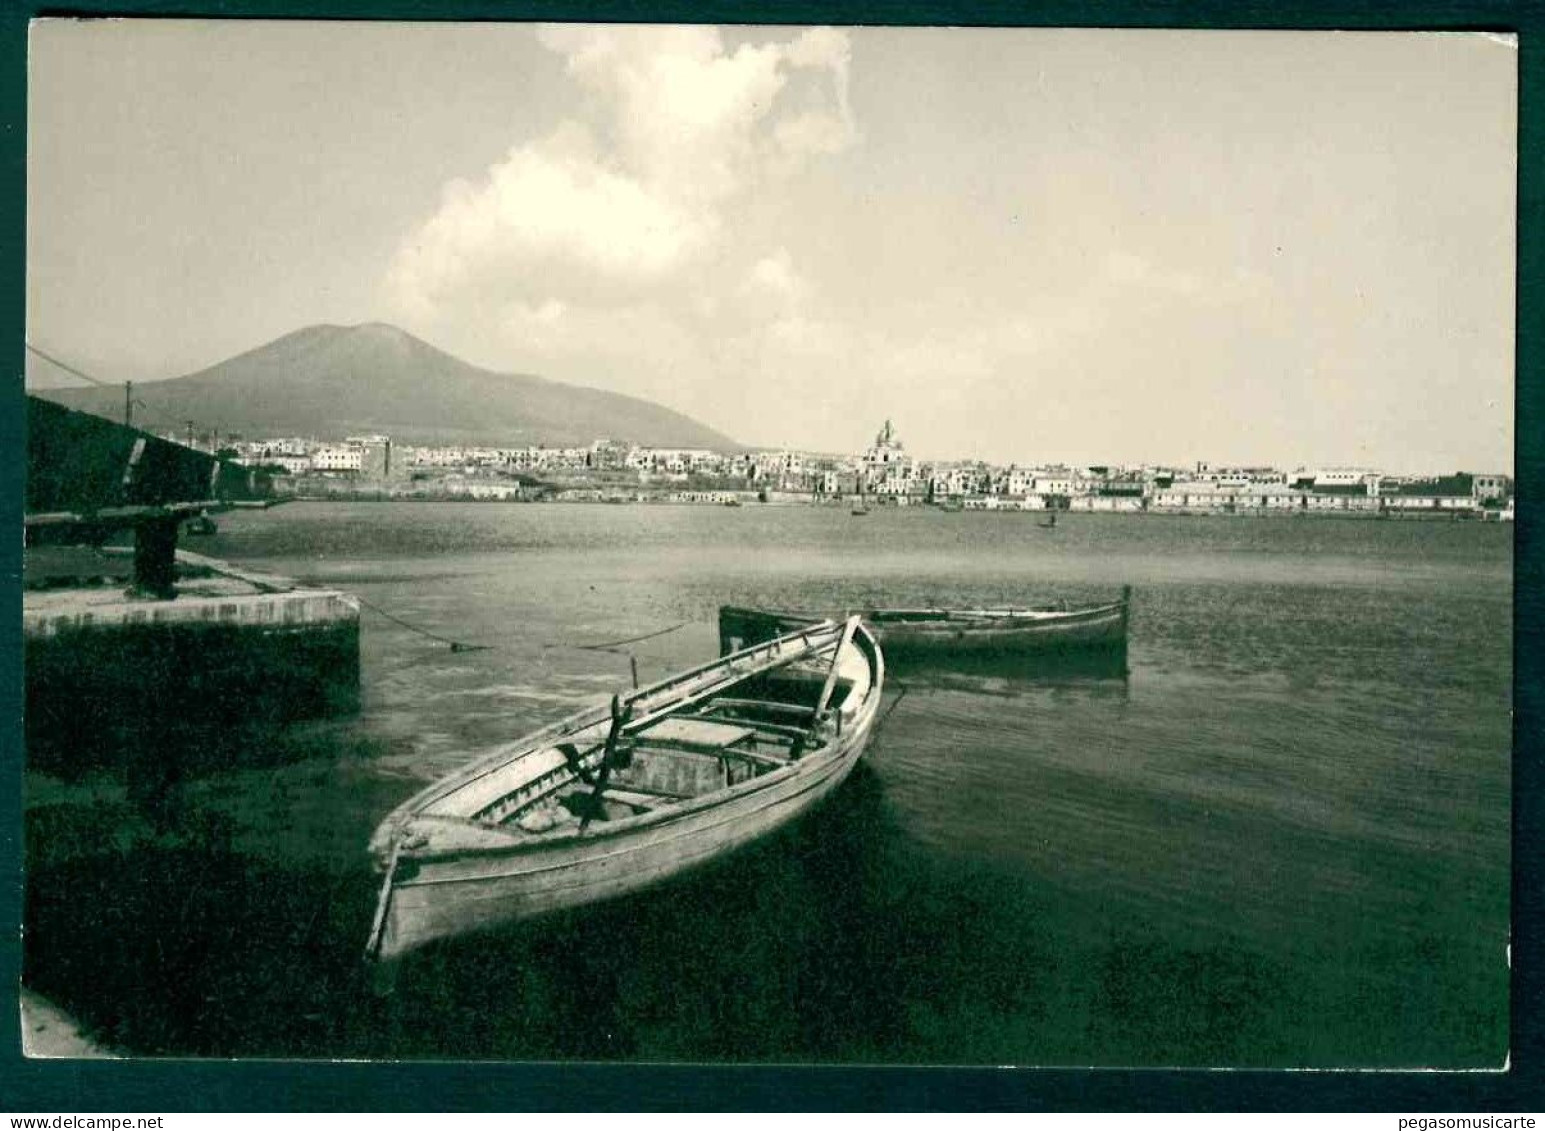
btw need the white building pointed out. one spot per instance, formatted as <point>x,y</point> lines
<point>293,465</point>
<point>1491,486</point>
<point>1016,482</point>
<point>1348,477</point>
<point>886,462</point>
<point>338,459</point>
<point>1107,503</point>
<point>957,480</point>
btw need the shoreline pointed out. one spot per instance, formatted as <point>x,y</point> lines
<point>49,1033</point>
<point>1452,516</point>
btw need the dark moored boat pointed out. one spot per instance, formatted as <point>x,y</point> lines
<point>607,803</point>
<point>932,632</point>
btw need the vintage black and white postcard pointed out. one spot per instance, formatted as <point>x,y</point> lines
<point>782,545</point>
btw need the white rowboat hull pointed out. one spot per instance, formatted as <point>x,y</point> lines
<point>477,892</point>
<point>494,879</point>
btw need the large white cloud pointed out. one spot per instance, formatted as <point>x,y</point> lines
<point>553,220</point>
<point>632,204</point>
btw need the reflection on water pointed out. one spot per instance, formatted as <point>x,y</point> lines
<point>1096,671</point>
<point>1277,834</point>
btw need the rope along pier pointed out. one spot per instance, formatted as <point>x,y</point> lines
<point>464,646</point>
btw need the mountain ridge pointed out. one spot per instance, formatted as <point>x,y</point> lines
<point>329,381</point>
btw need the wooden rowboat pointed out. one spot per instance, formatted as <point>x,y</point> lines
<point>609,802</point>
<point>934,632</point>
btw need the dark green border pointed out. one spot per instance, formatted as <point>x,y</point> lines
<point>160,1086</point>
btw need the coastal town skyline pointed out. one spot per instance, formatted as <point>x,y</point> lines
<point>609,470</point>
<point>449,455</point>
<point>1255,247</point>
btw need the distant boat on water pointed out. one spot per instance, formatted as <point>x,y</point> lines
<point>1050,523</point>
<point>610,802</point>
<point>939,631</point>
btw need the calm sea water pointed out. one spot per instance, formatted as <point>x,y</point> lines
<point>1282,838</point>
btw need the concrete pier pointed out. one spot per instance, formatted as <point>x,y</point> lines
<point>56,614</point>
<point>114,677</point>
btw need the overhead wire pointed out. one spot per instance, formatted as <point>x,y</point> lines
<point>167,422</point>
<point>70,369</point>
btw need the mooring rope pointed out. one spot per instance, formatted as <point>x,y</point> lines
<point>456,645</point>
<point>618,643</point>
<point>462,646</point>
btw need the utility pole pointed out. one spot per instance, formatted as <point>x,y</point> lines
<point>128,404</point>
<point>190,433</point>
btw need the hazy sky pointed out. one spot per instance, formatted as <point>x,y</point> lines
<point>1097,246</point>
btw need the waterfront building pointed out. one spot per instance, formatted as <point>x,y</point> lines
<point>791,463</point>
<point>1109,504</point>
<point>565,459</point>
<point>1016,482</point>
<point>1347,477</point>
<point>375,455</point>
<point>959,480</point>
<point>715,498</point>
<point>1491,487</point>
<point>1218,497</point>
<point>437,457</point>
<point>273,450</point>
<point>1058,481</point>
<point>1115,496</point>
<point>837,481</point>
<point>1281,497</point>
<point>1243,476</point>
<point>886,461</point>
<point>338,459</point>
<point>609,454</point>
<point>673,461</point>
<point>538,458</point>
<point>1346,501</point>
<point>1444,493</point>
<point>293,465</point>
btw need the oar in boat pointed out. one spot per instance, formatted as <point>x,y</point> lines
<point>608,759</point>
<point>848,629</point>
